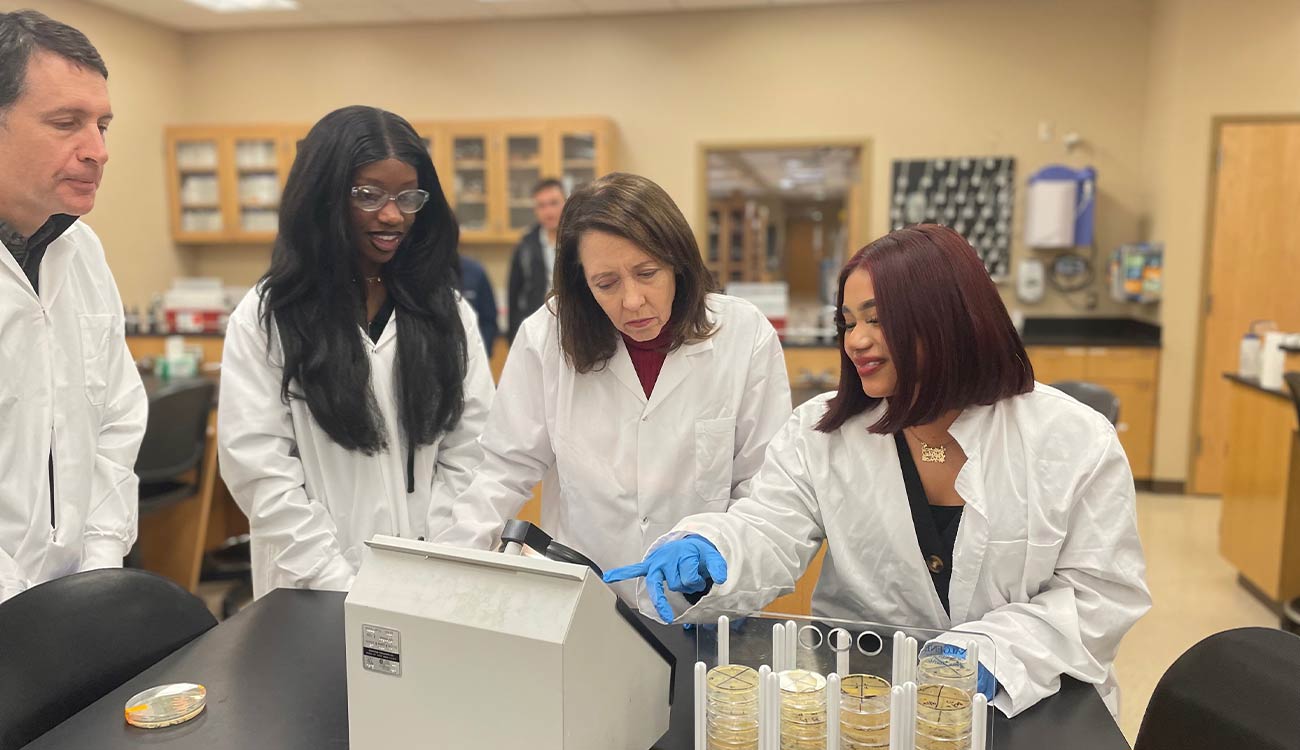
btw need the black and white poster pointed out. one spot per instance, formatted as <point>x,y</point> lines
<point>973,195</point>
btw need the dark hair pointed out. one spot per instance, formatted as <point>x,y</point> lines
<point>25,31</point>
<point>639,211</point>
<point>935,302</point>
<point>547,184</point>
<point>312,288</point>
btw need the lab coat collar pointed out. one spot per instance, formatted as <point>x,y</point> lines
<point>973,534</point>
<point>45,244</point>
<point>677,367</point>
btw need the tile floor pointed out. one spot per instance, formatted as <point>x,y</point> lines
<point>1195,594</point>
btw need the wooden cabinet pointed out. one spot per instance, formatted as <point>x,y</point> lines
<point>488,169</point>
<point>1259,529</point>
<point>738,244</point>
<point>225,181</point>
<point>1130,373</point>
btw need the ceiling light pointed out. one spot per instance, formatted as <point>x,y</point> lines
<point>244,6</point>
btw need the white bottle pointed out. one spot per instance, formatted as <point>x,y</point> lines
<point>1248,362</point>
<point>1272,361</point>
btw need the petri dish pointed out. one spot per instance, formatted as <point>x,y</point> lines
<point>166,705</point>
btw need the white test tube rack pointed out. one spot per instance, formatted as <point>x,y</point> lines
<point>902,709</point>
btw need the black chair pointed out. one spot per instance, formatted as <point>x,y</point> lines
<point>232,561</point>
<point>1237,689</point>
<point>174,439</point>
<point>1091,394</point>
<point>68,642</point>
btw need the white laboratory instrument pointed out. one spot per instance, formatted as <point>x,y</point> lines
<point>465,649</point>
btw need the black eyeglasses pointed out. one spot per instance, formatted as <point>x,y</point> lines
<point>368,198</point>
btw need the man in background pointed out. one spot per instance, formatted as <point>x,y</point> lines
<point>534,256</point>
<point>71,402</point>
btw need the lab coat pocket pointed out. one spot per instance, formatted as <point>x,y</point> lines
<point>715,448</point>
<point>96,333</point>
<point>1040,565</point>
<point>1004,564</point>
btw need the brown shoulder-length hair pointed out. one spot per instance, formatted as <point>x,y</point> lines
<point>639,211</point>
<point>950,338</point>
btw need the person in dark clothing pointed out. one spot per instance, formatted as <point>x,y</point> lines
<point>477,291</point>
<point>534,256</point>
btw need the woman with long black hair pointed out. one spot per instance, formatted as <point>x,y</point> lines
<point>354,382</point>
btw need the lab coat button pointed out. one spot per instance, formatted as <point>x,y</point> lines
<point>936,564</point>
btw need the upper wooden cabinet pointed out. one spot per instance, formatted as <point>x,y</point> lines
<point>488,169</point>
<point>225,181</point>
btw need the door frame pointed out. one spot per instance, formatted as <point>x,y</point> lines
<point>857,202</point>
<point>1217,123</point>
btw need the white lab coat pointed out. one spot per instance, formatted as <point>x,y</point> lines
<point>311,503</point>
<point>1047,561</point>
<point>67,379</point>
<point>619,469</point>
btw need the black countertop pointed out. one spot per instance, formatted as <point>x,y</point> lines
<point>1254,383</point>
<point>276,678</point>
<point>1090,332</point>
<point>1057,332</point>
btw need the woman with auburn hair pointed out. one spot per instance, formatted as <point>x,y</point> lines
<point>952,491</point>
<point>635,395</point>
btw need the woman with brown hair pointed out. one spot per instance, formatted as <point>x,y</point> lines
<point>635,395</point>
<point>952,491</point>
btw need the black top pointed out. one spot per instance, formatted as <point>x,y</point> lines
<point>385,313</point>
<point>936,525</point>
<point>276,677</point>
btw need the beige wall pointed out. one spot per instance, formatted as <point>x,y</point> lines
<point>1208,58</point>
<point>935,78</point>
<point>144,84</point>
<point>1139,80</point>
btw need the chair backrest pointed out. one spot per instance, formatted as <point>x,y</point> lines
<point>68,642</point>
<point>1091,394</point>
<point>1236,689</point>
<point>175,435</point>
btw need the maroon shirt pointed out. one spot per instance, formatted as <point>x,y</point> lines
<point>648,357</point>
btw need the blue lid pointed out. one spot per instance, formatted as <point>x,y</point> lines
<point>1060,172</point>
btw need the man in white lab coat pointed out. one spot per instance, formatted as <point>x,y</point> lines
<point>71,401</point>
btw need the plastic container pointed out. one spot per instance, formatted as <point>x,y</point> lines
<point>1248,358</point>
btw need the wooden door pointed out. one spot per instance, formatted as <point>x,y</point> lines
<point>1251,271</point>
<point>804,244</point>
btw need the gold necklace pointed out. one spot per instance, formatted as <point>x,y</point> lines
<point>373,279</point>
<point>933,454</point>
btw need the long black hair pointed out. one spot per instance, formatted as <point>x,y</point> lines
<point>313,296</point>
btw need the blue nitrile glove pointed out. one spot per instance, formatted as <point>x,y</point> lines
<point>986,683</point>
<point>688,565</point>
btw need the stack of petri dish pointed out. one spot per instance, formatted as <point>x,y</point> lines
<point>803,710</point>
<point>732,708</point>
<point>864,712</point>
<point>943,718</point>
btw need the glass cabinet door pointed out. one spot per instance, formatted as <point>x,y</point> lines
<point>578,162</point>
<point>470,181</point>
<point>198,185</point>
<point>523,172</point>
<point>258,175</point>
